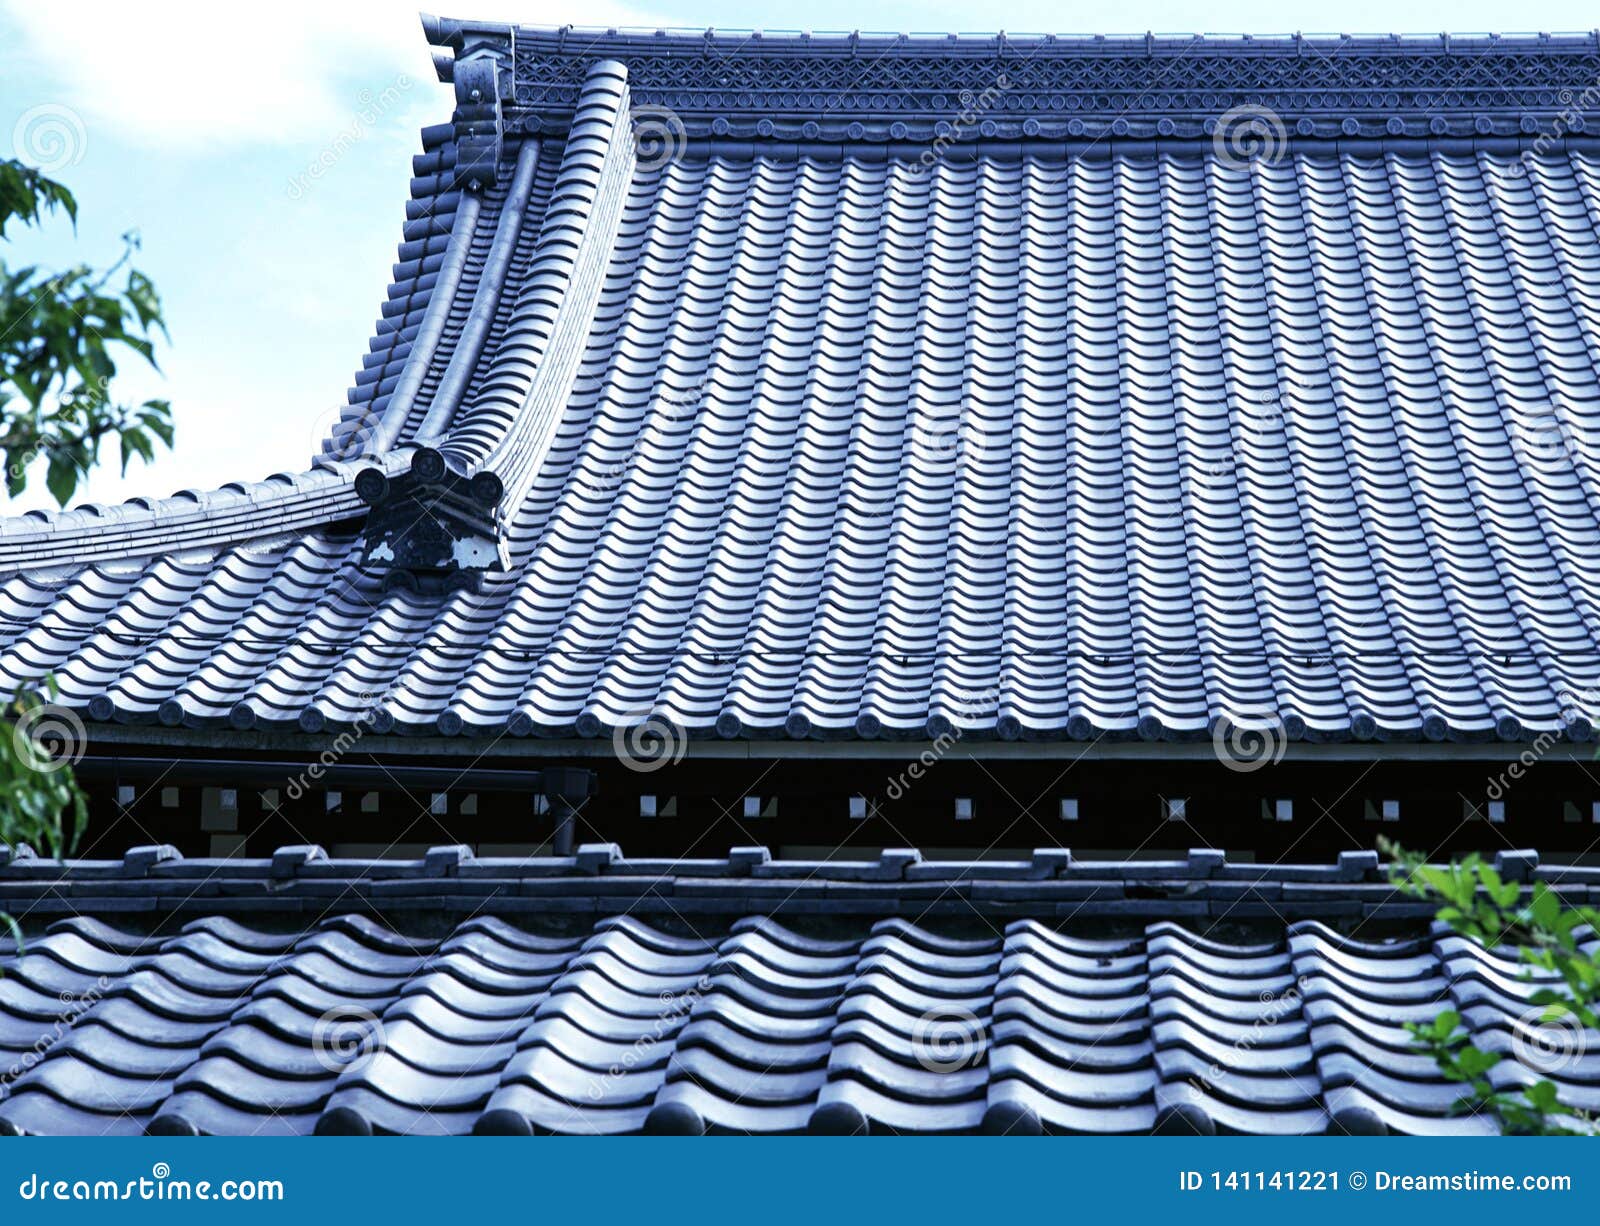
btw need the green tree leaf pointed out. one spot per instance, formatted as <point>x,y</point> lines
<point>1472,899</point>
<point>61,335</point>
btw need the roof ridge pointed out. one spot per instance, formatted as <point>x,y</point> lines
<point>446,31</point>
<point>1204,883</point>
<point>867,89</point>
<point>283,504</point>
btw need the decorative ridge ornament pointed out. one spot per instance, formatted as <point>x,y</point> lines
<point>855,88</point>
<point>432,529</point>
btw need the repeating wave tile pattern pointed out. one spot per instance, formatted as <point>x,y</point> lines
<point>859,445</point>
<point>351,1027</point>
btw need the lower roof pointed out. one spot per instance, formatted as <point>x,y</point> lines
<point>349,1026</point>
<point>397,997</point>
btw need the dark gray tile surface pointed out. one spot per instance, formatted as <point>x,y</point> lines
<point>625,1026</point>
<point>803,436</point>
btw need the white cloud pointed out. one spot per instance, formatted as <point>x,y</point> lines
<point>198,76</point>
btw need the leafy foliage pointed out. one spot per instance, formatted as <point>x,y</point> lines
<point>61,334</point>
<point>27,194</point>
<point>1475,902</point>
<point>41,803</point>
<point>40,800</point>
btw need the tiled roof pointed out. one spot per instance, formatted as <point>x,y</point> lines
<point>716,387</point>
<point>595,993</point>
<point>350,1026</point>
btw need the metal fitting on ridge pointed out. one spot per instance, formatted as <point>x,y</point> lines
<point>479,119</point>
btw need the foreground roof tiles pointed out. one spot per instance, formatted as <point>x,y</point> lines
<point>600,994</point>
<point>349,1026</point>
<point>775,413</point>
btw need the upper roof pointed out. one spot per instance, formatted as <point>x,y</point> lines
<point>843,385</point>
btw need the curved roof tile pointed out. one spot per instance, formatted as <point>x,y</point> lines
<point>791,433</point>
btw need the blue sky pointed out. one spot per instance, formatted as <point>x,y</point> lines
<point>193,122</point>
